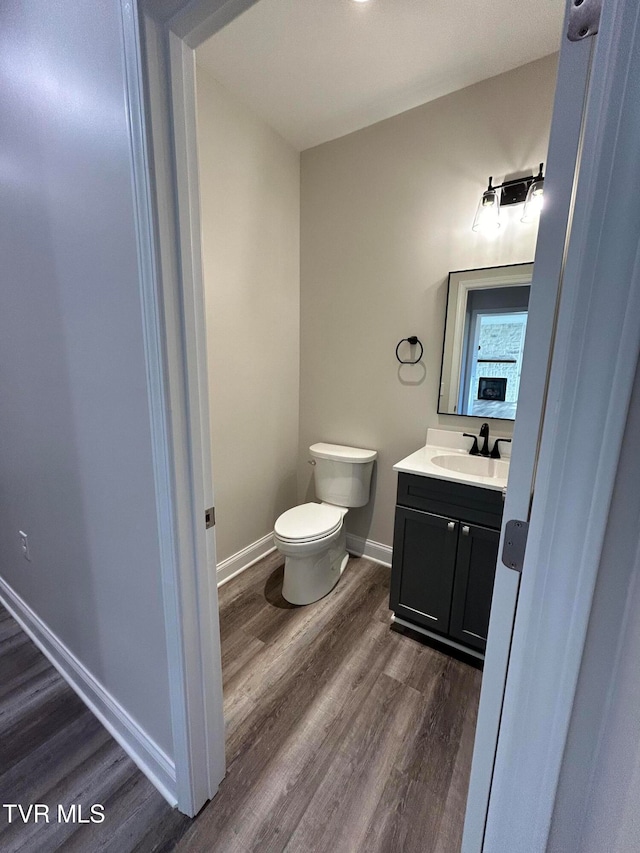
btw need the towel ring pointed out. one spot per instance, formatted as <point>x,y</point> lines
<point>413,340</point>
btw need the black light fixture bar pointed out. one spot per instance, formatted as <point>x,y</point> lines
<point>515,191</point>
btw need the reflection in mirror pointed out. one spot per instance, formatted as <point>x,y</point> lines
<point>484,336</point>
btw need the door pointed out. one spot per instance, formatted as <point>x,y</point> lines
<point>562,160</point>
<point>591,379</point>
<point>473,584</point>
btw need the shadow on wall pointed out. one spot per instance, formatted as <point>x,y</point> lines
<point>361,517</point>
<point>310,492</point>
<point>412,374</point>
<point>282,496</point>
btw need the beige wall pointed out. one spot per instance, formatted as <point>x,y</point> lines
<point>250,198</point>
<point>386,213</point>
<point>77,453</point>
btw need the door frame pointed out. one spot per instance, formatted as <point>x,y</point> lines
<point>160,83</point>
<point>168,71</point>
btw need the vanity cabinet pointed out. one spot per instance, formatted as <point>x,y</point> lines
<point>445,549</point>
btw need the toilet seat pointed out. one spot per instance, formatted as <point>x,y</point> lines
<point>308,522</point>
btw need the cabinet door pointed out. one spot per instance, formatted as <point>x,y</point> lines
<point>424,555</point>
<point>473,584</point>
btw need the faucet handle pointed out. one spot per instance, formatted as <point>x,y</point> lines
<point>495,453</point>
<point>474,447</point>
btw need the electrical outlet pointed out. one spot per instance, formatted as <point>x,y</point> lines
<point>24,544</point>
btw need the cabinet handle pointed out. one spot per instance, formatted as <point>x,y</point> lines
<point>465,530</point>
<point>451,525</point>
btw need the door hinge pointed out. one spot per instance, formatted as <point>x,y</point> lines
<point>515,543</point>
<point>584,19</point>
<point>209,517</point>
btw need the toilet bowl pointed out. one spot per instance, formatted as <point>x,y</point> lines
<point>312,536</point>
<point>313,540</point>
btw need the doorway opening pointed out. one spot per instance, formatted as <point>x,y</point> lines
<point>332,280</point>
<point>558,450</point>
<point>180,58</point>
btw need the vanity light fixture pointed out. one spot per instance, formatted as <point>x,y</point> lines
<point>528,190</point>
<point>534,200</point>
<point>488,214</point>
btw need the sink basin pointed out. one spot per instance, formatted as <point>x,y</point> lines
<point>478,466</point>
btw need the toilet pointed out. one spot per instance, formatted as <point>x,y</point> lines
<point>312,536</point>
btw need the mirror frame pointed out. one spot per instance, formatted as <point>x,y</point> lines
<point>460,284</point>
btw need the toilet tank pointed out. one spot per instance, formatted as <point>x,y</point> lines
<point>342,474</point>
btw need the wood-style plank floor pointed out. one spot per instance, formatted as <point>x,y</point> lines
<point>53,750</point>
<point>342,735</point>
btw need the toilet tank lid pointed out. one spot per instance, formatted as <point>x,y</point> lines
<point>341,453</point>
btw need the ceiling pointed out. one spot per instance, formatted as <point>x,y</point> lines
<point>319,69</point>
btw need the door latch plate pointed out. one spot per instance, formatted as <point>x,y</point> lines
<point>584,19</point>
<point>515,543</point>
<point>209,517</point>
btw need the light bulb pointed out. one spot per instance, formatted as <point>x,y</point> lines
<point>534,201</point>
<point>487,218</point>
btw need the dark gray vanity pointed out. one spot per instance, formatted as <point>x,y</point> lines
<point>445,549</point>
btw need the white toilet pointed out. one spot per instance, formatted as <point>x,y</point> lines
<point>312,536</point>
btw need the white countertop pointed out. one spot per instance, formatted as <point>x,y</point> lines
<point>421,463</point>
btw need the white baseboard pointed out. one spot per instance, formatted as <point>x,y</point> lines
<point>237,563</point>
<point>375,551</point>
<point>142,749</point>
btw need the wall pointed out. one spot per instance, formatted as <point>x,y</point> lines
<point>250,201</point>
<point>386,213</point>
<point>75,446</point>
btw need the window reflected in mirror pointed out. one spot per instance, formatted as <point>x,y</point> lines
<point>485,330</point>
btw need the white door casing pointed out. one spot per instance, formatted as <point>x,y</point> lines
<point>161,97</point>
<point>163,79</point>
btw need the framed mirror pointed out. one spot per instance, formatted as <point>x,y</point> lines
<point>485,327</point>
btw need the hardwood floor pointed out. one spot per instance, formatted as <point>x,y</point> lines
<point>342,735</point>
<point>53,750</point>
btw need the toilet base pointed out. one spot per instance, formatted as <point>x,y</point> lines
<point>309,578</point>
